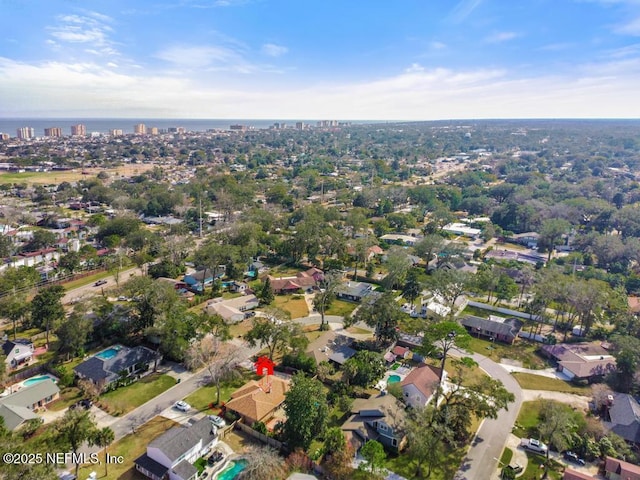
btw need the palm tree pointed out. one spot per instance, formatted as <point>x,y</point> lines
<point>103,438</point>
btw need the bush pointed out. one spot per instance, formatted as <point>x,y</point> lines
<point>301,361</point>
<point>260,427</point>
<point>65,377</point>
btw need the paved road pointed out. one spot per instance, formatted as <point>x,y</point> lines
<point>481,462</point>
<point>90,290</point>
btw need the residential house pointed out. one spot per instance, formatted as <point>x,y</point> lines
<point>31,259</point>
<point>623,417</point>
<point>377,418</point>
<point>171,455</point>
<point>17,352</point>
<point>615,469</point>
<point>570,474</point>
<point>493,328</point>
<point>104,369</point>
<point>199,280</point>
<point>232,310</point>
<point>239,287</point>
<point>581,361</point>
<point>419,386</point>
<point>256,401</point>
<point>18,407</point>
<point>396,238</point>
<point>634,305</point>
<point>302,281</point>
<point>354,291</point>
<point>325,345</point>
<point>339,354</point>
<point>462,229</point>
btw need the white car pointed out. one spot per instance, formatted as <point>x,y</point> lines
<point>182,406</point>
<point>534,445</point>
<point>217,421</point>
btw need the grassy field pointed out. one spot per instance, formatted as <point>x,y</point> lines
<point>506,457</point>
<point>522,351</point>
<point>531,381</point>
<point>534,468</point>
<point>130,447</point>
<point>47,178</point>
<point>124,399</point>
<point>240,328</point>
<point>341,308</point>
<point>297,307</point>
<point>68,396</point>
<point>528,419</point>
<point>81,282</point>
<point>204,396</point>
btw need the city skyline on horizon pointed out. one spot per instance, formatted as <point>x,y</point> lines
<point>264,60</point>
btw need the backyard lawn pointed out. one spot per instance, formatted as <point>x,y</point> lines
<point>296,305</point>
<point>68,396</point>
<point>522,351</point>
<point>130,447</point>
<point>530,381</point>
<point>124,399</point>
<point>341,308</point>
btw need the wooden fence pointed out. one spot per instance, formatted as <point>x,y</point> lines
<point>260,436</point>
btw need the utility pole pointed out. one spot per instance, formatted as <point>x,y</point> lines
<point>200,198</point>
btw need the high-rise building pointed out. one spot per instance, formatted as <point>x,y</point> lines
<point>26,133</point>
<point>140,129</point>
<point>4,136</point>
<point>116,132</point>
<point>78,130</point>
<point>300,126</point>
<point>152,130</point>
<point>53,132</point>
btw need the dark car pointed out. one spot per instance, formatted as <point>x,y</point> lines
<point>86,403</point>
<point>99,282</point>
<point>215,458</point>
<point>573,457</point>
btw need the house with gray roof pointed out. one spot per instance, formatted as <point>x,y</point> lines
<point>496,328</point>
<point>354,291</point>
<point>105,370</point>
<point>17,351</point>
<point>18,407</point>
<point>623,417</point>
<point>172,454</point>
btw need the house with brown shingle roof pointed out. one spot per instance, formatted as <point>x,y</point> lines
<point>581,361</point>
<point>419,386</point>
<point>302,281</point>
<point>257,400</point>
<point>570,474</point>
<point>615,469</point>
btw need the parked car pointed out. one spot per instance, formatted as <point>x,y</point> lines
<point>573,457</point>
<point>217,421</point>
<point>515,468</point>
<point>86,403</point>
<point>99,282</point>
<point>534,445</point>
<point>215,458</point>
<point>182,406</point>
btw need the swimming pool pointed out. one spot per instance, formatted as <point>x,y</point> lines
<point>393,379</point>
<point>232,470</point>
<point>34,380</point>
<point>109,352</point>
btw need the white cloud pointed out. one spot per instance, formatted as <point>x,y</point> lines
<point>90,29</point>
<point>630,28</point>
<point>463,9</point>
<point>437,45</point>
<point>417,93</point>
<point>500,37</point>
<point>273,50</point>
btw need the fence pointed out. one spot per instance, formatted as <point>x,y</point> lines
<point>505,311</point>
<point>26,373</point>
<point>260,436</point>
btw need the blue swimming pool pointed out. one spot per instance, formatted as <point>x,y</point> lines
<point>39,379</point>
<point>108,353</point>
<point>393,379</point>
<point>232,470</point>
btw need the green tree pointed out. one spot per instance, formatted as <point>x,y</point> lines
<point>74,429</point>
<point>266,293</point>
<point>506,288</point>
<point>364,368</point>
<point>15,308</point>
<point>306,410</point>
<point>426,439</point>
<point>412,287</point>
<point>428,247</point>
<point>373,453</point>
<point>556,425</point>
<point>70,262</point>
<point>441,337</point>
<point>41,239</point>
<point>103,438</point>
<point>73,333</point>
<point>450,284</point>
<point>325,295</point>
<point>273,332</point>
<point>398,265</point>
<point>551,233</point>
<point>383,314</point>
<point>334,440</point>
<point>626,349</point>
<point>47,309</point>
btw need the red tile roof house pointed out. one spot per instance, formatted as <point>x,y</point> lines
<point>301,281</point>
<point>615,469</point>
<point>581,361</point>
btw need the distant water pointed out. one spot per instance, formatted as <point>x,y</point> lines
<point>104,125</point>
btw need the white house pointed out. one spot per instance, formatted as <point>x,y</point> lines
<point>419,386</point>
<point>17,351</point>
<point>171,455</point>
<point>232,310</point>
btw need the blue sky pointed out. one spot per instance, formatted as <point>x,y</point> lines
<point>317,59</point>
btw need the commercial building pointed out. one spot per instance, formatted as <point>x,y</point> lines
<point>78,130</point>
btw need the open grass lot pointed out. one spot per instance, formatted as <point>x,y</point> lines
<point>46,178</point>
<point>297,307</point>
<point>531,381</point>
<point>240,328</point>
<point>341,308</point>
<point>528,419</point>
<point>240,441</point>
<point>202,397</point>
<point>81,282</point>
<point>68,396</point>
<point>522,351</point>
<point>444,469</point>
<point>471,375</point>
<point>130,447</point>
<point>124,399</point>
